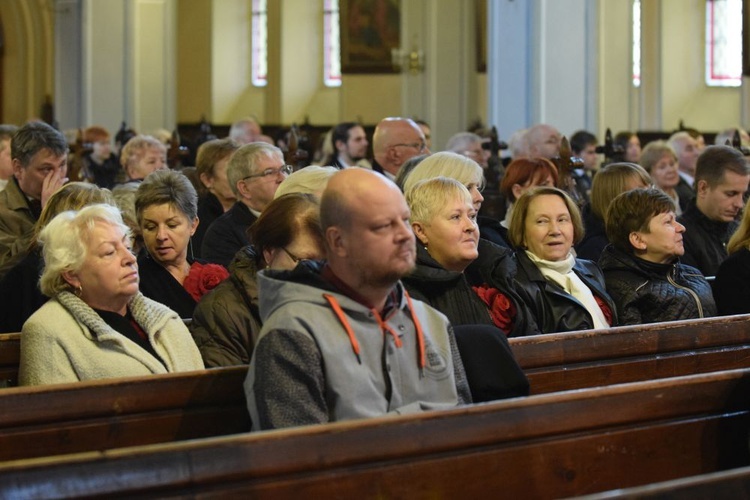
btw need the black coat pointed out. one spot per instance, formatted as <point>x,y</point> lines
<point>490,229</point>
<point>595,237</point>
<point>646,292</point>
<point>20,295</point>
<point>227,235</point>
<point>159,285</point>
<point>209,209</point>
<point>554,309</point>
<point>732,285</point>
<point>705,240</point>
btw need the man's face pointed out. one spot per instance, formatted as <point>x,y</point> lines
<point>6,164</point>
<point>476,153</point>
<point>687,155</point>
<point>44,163</point>
<point>725,200</point>
<point>356,144</point>
<point>380,242</point>
<point>259,190</point>
<point>589,157</point>
<point>546,143</point>
<point>408,143</point>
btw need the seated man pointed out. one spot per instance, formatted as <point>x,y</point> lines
<point>39,154</point>
<point>394,141</point>
<point>254,173</point>
<point>343,340</point>
<point>721,179</point>
<point>349,145</point>
<point>687,150</point>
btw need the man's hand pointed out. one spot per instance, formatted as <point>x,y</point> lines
<point>52,182</point>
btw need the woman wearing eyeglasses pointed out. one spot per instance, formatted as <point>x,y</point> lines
<point>166,207</point>
<point>227,322</point>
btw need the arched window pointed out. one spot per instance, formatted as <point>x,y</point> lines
<point>331,44</point>
<point>260,44</point>
<point>724,43</point>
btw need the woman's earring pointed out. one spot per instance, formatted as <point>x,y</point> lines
<point>78,291</point>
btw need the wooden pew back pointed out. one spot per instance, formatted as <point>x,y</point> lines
<point>10,356</point>
<point>546,446</point>
<point>574,360</point>
<point>106,414</point>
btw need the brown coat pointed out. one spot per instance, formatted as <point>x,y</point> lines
<point>16,226</point>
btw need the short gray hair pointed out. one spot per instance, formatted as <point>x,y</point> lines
<point>244,160</point>
<point>65,243</point>
<point>167,187</point>
<point>461,141</point>
<point>446,164</point>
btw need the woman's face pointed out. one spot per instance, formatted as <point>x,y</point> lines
<point>541,178</point>
<point>166,233</point>
<point>108,278</point>
<point>548,229</point>
<point>665,173</point>
<point>303,247</point>
<point>452,236</point>
<point>476,195</point>
<point>663,242</point>
<point>218,185</point>
<point>102,148</point>
<point>151,160</point>
<point>633,149</point>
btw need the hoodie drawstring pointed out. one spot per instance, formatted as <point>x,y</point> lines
<point>383,326</point>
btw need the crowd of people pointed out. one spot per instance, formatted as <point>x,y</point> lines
<point>361,286</point>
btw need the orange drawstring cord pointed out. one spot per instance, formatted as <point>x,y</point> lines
<point>342,318</point>
<point>420,333</point>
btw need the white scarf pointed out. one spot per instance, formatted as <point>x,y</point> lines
<point>561,272</point>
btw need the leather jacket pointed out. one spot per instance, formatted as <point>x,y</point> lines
<point>556,310</point>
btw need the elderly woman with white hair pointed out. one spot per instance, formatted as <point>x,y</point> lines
<point>97,324</point>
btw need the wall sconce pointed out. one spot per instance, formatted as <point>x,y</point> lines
<point>412,61</point>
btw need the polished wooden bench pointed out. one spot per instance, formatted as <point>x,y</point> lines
<point>545,446</point>
<point>105,414</point>
<point>574,360</point>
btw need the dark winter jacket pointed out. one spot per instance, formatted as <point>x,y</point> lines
<point>705,240</point>
<point>732,285</point>
<point>646,292</point>
<point>226,322</point>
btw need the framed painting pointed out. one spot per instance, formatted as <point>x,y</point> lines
<point>370,29</point>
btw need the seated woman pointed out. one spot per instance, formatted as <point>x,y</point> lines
<point>610,181</point>
<point>732,286</point>
<point>630,145</point>
<point>641,266</point>
<point>166,206</point>
<point>97,324</point>
<point>660,161</point>
<point>19,288</point>
<point>563,293</point>
<point>444,221</point>
<point>226,323</point>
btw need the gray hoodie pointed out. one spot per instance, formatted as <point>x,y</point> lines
<point>323,357</point>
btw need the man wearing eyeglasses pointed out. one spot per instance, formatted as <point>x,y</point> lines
<point>396,140</point>
<point>254,173</point>
<point>342,339</point>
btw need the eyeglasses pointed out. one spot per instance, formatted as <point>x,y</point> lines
<point>284,169</point>
<point>294,258</point>
<point>419,146</point>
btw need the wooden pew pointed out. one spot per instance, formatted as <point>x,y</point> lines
<point>105,414</point>
<point>546,446</point>
<point>574,360</point>
<point>733,483</point>
<point>10,356</point>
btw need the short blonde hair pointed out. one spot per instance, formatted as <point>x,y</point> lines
<point>612,180</point>
<point>655,151</point>
<point>65,243</point>
<point>446,164</point>
<point>312,179</point>
<point>517,229</point>
<point>427,196</point>
<point>72,196</point>
<point>136,147</point>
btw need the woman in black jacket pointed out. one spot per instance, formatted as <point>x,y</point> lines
<point>732,285</point>
<point>562,292</point>
<point>641,266</point>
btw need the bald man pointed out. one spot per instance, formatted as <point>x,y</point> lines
<point>343,340</point>
<point>543,141</point>
<point>396,140</point>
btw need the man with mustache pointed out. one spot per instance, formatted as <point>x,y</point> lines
<point>721,181</point>
<point>342,339</point>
